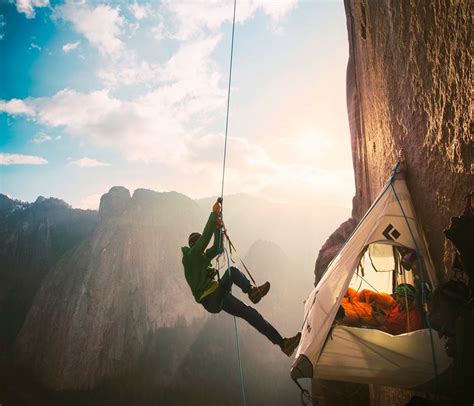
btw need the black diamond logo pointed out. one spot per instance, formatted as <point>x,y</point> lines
<point>391,233</point>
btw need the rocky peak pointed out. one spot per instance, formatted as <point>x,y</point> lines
<point>8,205</point>
<point>97,305</point>
<point>114,202</point>
<point>50,203</point>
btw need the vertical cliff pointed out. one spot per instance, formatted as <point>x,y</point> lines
<point>409,84</point>
<point>90,318</point>
<point>409,90</point>
<point>33,236</point>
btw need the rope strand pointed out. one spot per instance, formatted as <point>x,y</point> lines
<point>228,102</point>
<point>222,198</point>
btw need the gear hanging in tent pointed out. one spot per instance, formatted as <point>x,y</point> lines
<point>364,355</point>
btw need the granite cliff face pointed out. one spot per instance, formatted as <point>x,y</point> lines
<point>408,96</point>
<point>115,322</point>
<point>96,306</point>
<point>33,236</point>
<point>409,91</point>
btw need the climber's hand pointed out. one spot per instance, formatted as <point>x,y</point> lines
<point>217,206</point>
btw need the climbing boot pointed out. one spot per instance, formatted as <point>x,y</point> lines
<point>289,344</point>
<point>257,292</point>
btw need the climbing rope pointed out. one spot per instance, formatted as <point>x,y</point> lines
<point>228,102</point>
<point>222,201</point>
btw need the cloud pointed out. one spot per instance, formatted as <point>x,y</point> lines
<point>41,137</point>
<point>190,19</point>
<point>127,69</point>
<point>101,25</point>
<point>275,9</point>
<point>15,106</point>
<point>149,127</point>
<point>190,68</point>
<point>34,46</point>
<point>164,120</point>
<point>140,11</point>
<point>3,24</point>
<point>27,7</point>
<point>88,163</point>
<point>70,46</point>
<point>77,112</point>
<point>17,159</point>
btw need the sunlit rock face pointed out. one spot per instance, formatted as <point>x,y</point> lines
<point>96,306</point>
<point>332,246</point>
<point>408,90</point>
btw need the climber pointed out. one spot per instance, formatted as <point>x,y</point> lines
<point>403,316</point>
<point>216,295</point>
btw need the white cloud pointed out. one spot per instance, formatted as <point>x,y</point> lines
<point>192,18</point>
<point>3,24</point>
<point>88,163</point>
<point>179,96</point>
<point>191,68</point>
<point>15,106</point>
<point>34,46</point>
<point>17,159</point>
<point>27,7</point>
<point>70,46</point>
<point>275,9</point>
<point>76,111</point>
<point>126,69</point>
<point>101,25</point>
<point>160,32</point>
<point>141,11</point>
<point>41,137</point>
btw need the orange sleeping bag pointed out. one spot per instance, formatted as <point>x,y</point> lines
<point>359,306</point>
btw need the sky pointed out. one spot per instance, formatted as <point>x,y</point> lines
<point>95,94</point>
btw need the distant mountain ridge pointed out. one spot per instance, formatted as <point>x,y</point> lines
<point>95,307</point>
<point>112,291</point>
<point>33,236</point>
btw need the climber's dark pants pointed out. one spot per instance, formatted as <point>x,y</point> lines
<point>222,299</point>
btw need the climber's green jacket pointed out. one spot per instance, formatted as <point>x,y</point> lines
<point>197,263</point>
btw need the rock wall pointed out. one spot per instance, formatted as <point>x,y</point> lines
<point>33,236</point>
<point>95,308</point>
<point>409,91</point>
<point>409,95</point>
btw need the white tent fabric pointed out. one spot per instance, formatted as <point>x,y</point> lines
<point>368,355</point>
<point>390,220</point>
<point>381,256</point>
